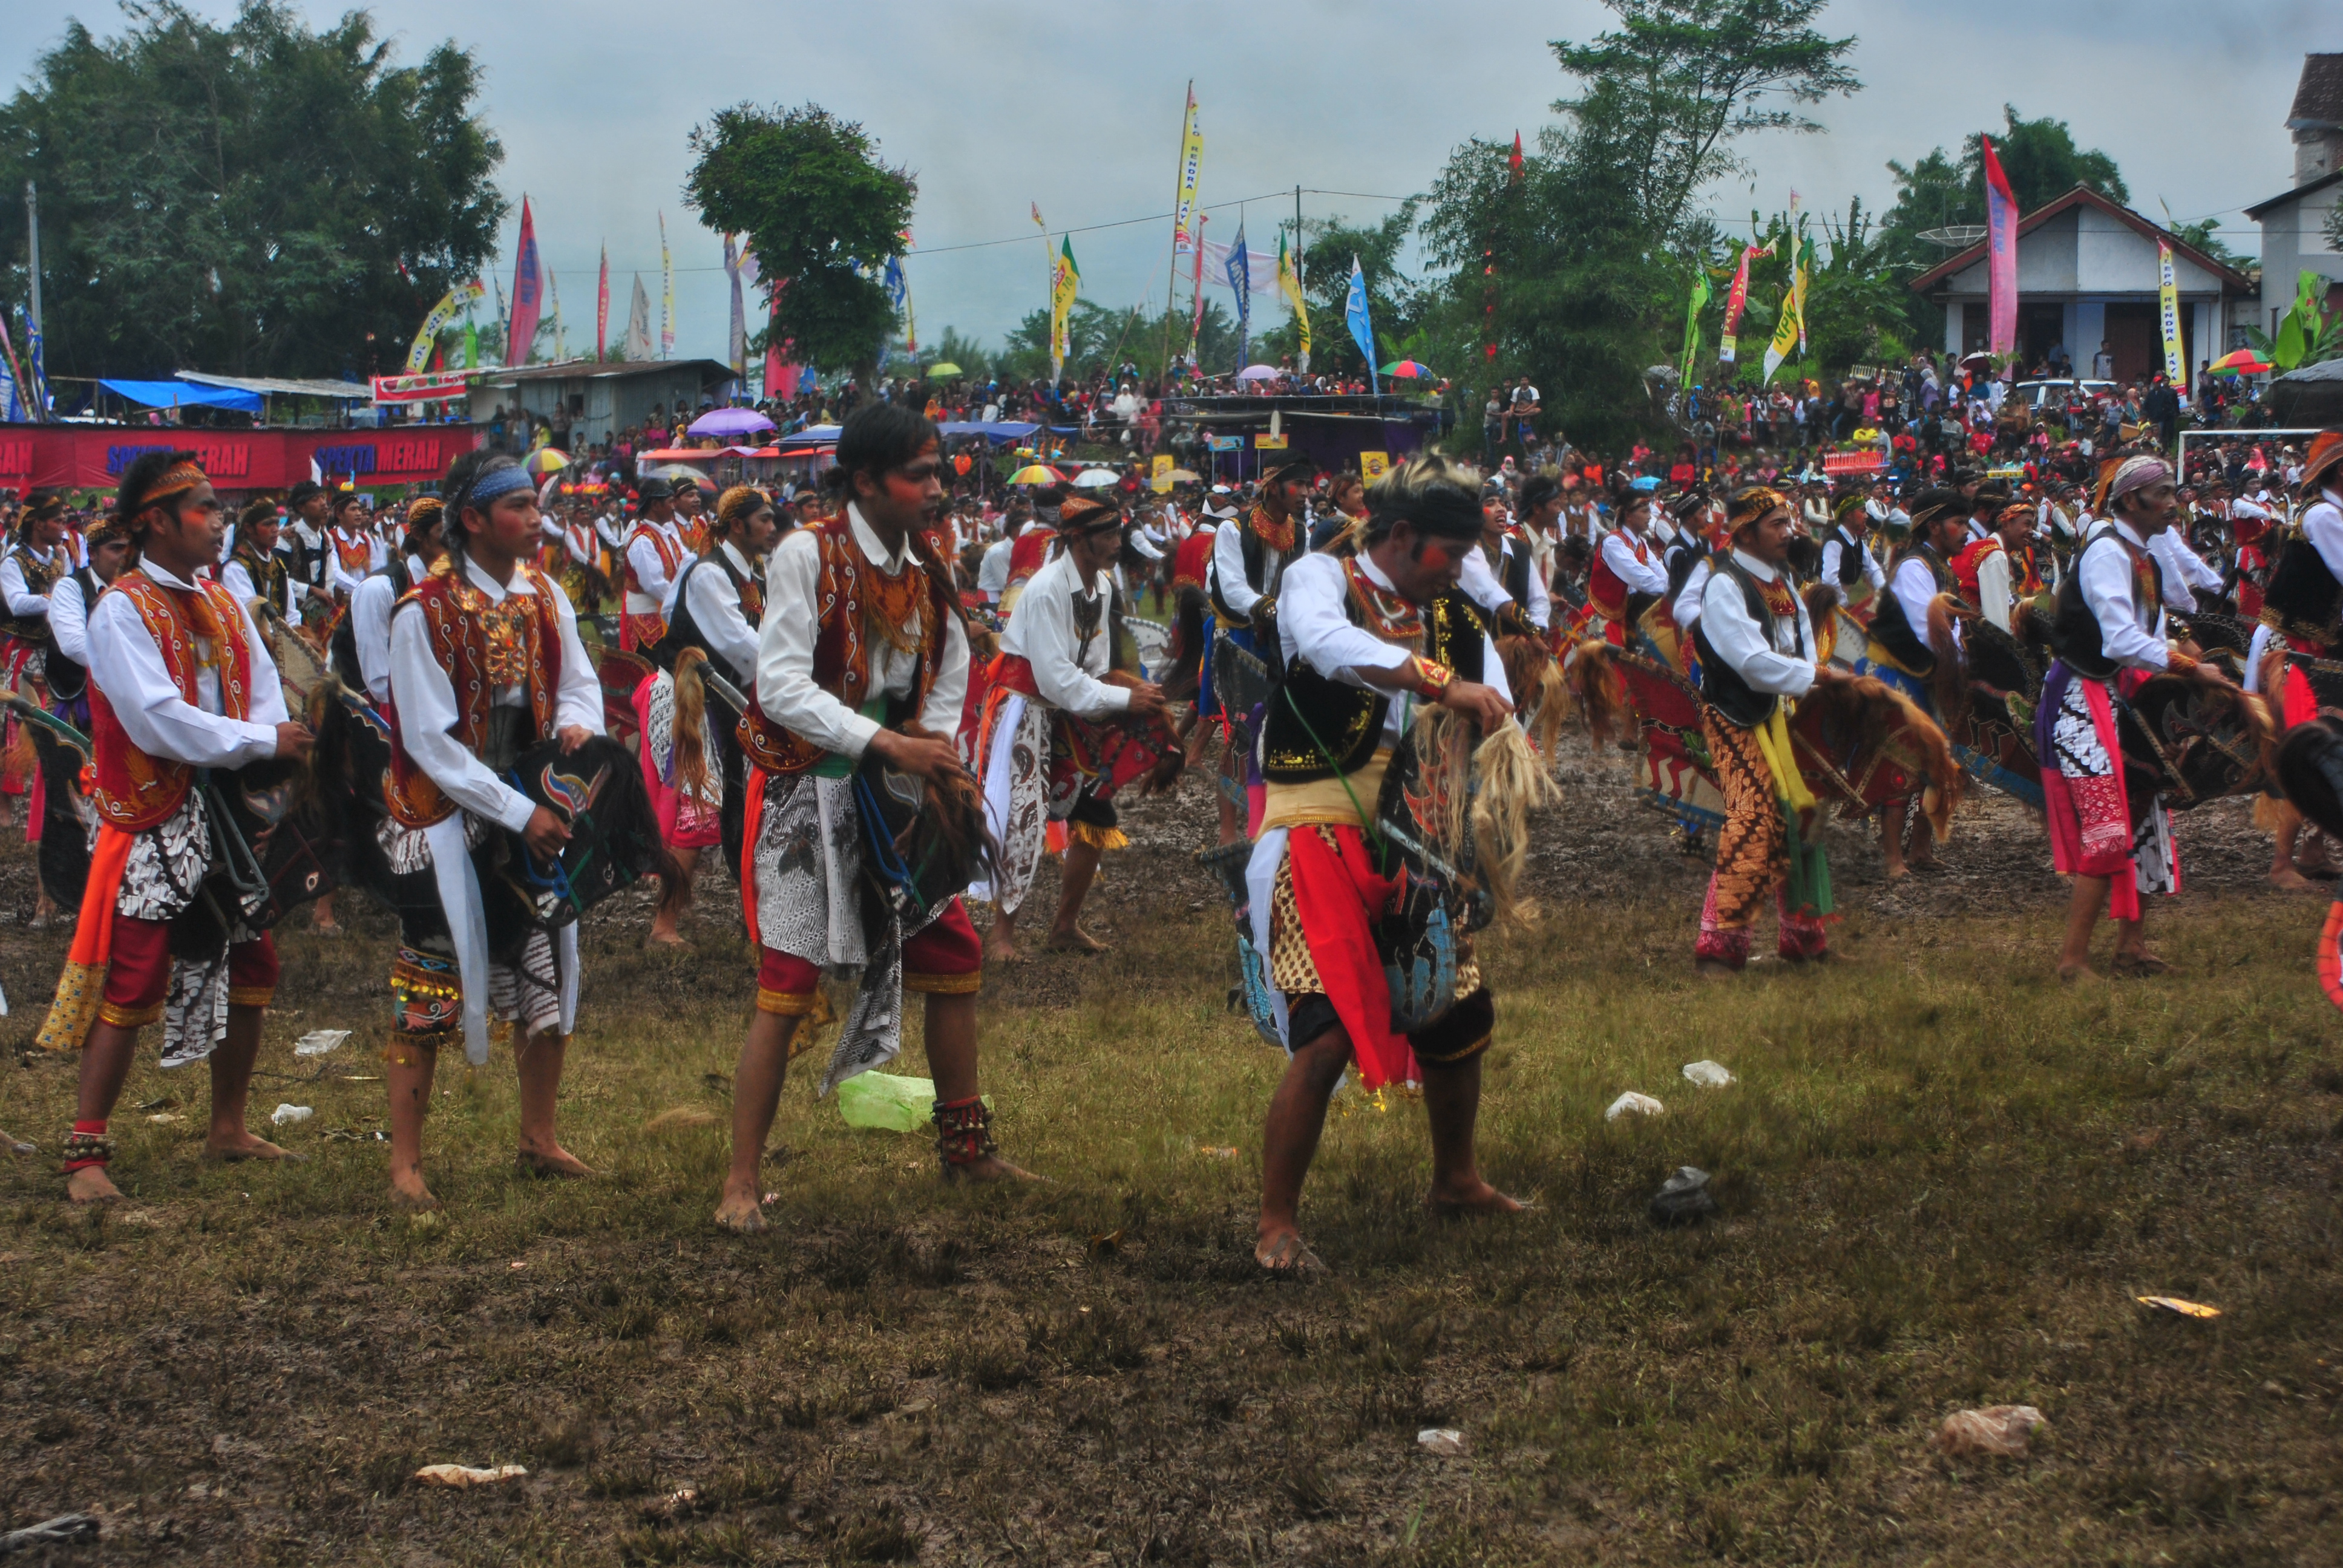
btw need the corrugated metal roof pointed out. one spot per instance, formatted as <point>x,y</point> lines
<point>357,390</point>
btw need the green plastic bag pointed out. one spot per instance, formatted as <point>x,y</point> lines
<point>890,1103</point>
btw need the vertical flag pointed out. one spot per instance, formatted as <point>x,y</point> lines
<point>1692,322</point>
<point>2168,295</point>
<point>602,309</point>
<point>1289,279</point>
<point>456,300</point>
<point>1363,326</point>
<point>1191,164</point>
<point>553,297</point>
<point>737,342</point>
<point>1240,278</point>
<point>1065,278</point>
<point>899,291</point>
<point>780,377</point>
<point>667,294</point>
<point>2001,217</point>
<point>11,401</point>
<point>1798,281</point>
<point>528,295</point>
<point>471,345</point>
<point>1728,343</point>
<point>639,323</point>
<point>1786,332</point>
<point>1196,289</point>
<point>1514,163</point>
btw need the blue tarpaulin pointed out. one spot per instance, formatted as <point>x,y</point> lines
<point>183,394</point>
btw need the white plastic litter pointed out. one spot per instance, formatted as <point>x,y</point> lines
<point>318,1042</point>
<point>1442,1440</point>
<point>2001,1429</point>
<point>285,1115</point>
<point>467,1475</point>
<point>1634,1104</point>
<point>1708,1074</point>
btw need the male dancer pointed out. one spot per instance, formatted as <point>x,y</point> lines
<point>1249,560</point>
<point>1365,637</point>
<point>1847,561</point>
<point>180,680</point>
<point>862,650</point>
<point>654,553</point>
<point>2107,831</point>
<point>1061,734</point>
<point>1624,567</point>
<point>1756,657</point>
<point>1902,649</point>
<point>714,606</point>
<point>2302,613</point>
<point>350,547</point>
<point>361,647</point>
<point>511,631</point>
<point>32,563</point>
<point>255,570</point>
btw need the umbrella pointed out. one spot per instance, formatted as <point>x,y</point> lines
<point>2241,362</point>
<point>1259,373</point>
<point>1096,478</point>
<point>679,471</point>
<point>731,422</point>
<point>946,369</point>
<point>1407,369</point>
<point>1182,477</point>
<point>545,460</point>
<point>1034,474</point>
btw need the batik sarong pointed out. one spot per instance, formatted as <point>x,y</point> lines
<point>2102,823</point>
<point>1757,855</point>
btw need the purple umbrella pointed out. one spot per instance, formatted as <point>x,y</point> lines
<point>731,422</point>
<point>1259,373</point>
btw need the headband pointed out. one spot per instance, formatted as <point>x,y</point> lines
<point>110,531</point>
<point>1752,506</point>
<point>2138,474</point>
<point>486,488</point>
<point>1848,504</point>
<point>424,512</point>
<point>1082,516</point>
<point>2016,511</point>
<point>738,504</point>
<point>178,476</point>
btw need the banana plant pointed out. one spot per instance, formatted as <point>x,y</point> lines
<point>2305,334</point>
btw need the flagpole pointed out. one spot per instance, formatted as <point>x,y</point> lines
<point>1172,278</point>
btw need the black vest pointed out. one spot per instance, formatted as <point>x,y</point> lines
<point>1720,685</point>
<point>1894,630</point>
<point>345,644</point>
<point>1259,575</point>
<point>684,632</point>
<point>1514,567</point>
<point>39,578</point>
<point>1348,721</point>
<point>1688,552</point>
<point>267,574</point>
<point>2075,636</point>
<point>68,681</point>
<point>1850,560</point>
<point>2303,598</point>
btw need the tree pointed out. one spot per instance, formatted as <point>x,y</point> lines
<point>824,216</point>
<point>1682,80</point>
<point>254,199</point>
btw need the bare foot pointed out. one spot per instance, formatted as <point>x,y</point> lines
<point>667,937</point>
<point>550,1160</point>
<point>240,1146</point>
<point>2069,973</point>
<point>1001,951</point>
<point>1075,939</point>
<point>2139,961</point>
<point>1897,870</point>
<point>742,1213</point>
<point>1464,1203</point>
<point>408,1191</point>
<point>91,1184</point>
<point>989,1168</point>
<point>2293,881</point>
<point>1283,1254</point>
<point>1714,968</point>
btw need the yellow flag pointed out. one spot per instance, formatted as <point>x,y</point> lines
<point>1065,279</point>
<point>1289,282</point>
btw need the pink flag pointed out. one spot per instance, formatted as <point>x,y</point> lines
<point>602,309</point>
<point>2001,215</point>
<point>780,377</point>
<point>528,290</point>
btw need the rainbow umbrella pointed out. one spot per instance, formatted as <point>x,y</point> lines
<point>1034,474</point>
<point>2241,362</point>
<point>546,460</point>
<point>1406,369</point>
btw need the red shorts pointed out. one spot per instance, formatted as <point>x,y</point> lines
<point>946,959</point>
<point>139,973</point>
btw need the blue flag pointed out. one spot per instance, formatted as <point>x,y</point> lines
<point>1362,329</point>
<point>1241,279</point>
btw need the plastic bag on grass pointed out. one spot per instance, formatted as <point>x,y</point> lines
<point>890,1103</point>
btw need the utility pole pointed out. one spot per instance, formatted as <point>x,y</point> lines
<point>33,234</point>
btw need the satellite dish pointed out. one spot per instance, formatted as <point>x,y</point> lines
<point>1955,236</point>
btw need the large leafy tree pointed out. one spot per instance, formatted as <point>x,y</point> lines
<point>824,215</point>
<point>253,199</point>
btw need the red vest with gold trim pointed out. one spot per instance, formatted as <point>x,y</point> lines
<point>1604,591</point>
<point>481,646</point>
<point>136,790</point>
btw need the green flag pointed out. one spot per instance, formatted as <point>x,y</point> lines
<point>1692,323</point>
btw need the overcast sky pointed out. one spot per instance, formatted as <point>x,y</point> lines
<point>998,106</point>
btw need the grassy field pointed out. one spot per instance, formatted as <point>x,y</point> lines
<point>1944,1179</point>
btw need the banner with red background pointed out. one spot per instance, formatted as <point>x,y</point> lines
<point>92,456</point>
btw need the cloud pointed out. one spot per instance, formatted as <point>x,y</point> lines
<point>998,106</point>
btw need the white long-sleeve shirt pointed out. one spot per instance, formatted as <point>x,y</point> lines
<point>238,581</point>
<point>69,620</point>
<point>1482,584</point>
<point>2130,633</point>
<point>1784,665</point>
<point>1915,587</point>
<point>1312,624</point>
<point>1687,609</point>
<point>992,572</point>
<point>18,592</point>
<point>2185,570</point>
<point>1066,669</point>
<point>340,579</point>
<point>786,688</point>
<point>127,667</point>
<point>426,700</point>
<point>1640,576</point>
<point>1229,567</point>
<point>714,606</point>
<point>370,609</point>
<point>651,568</point>
<point>1996,600</point>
